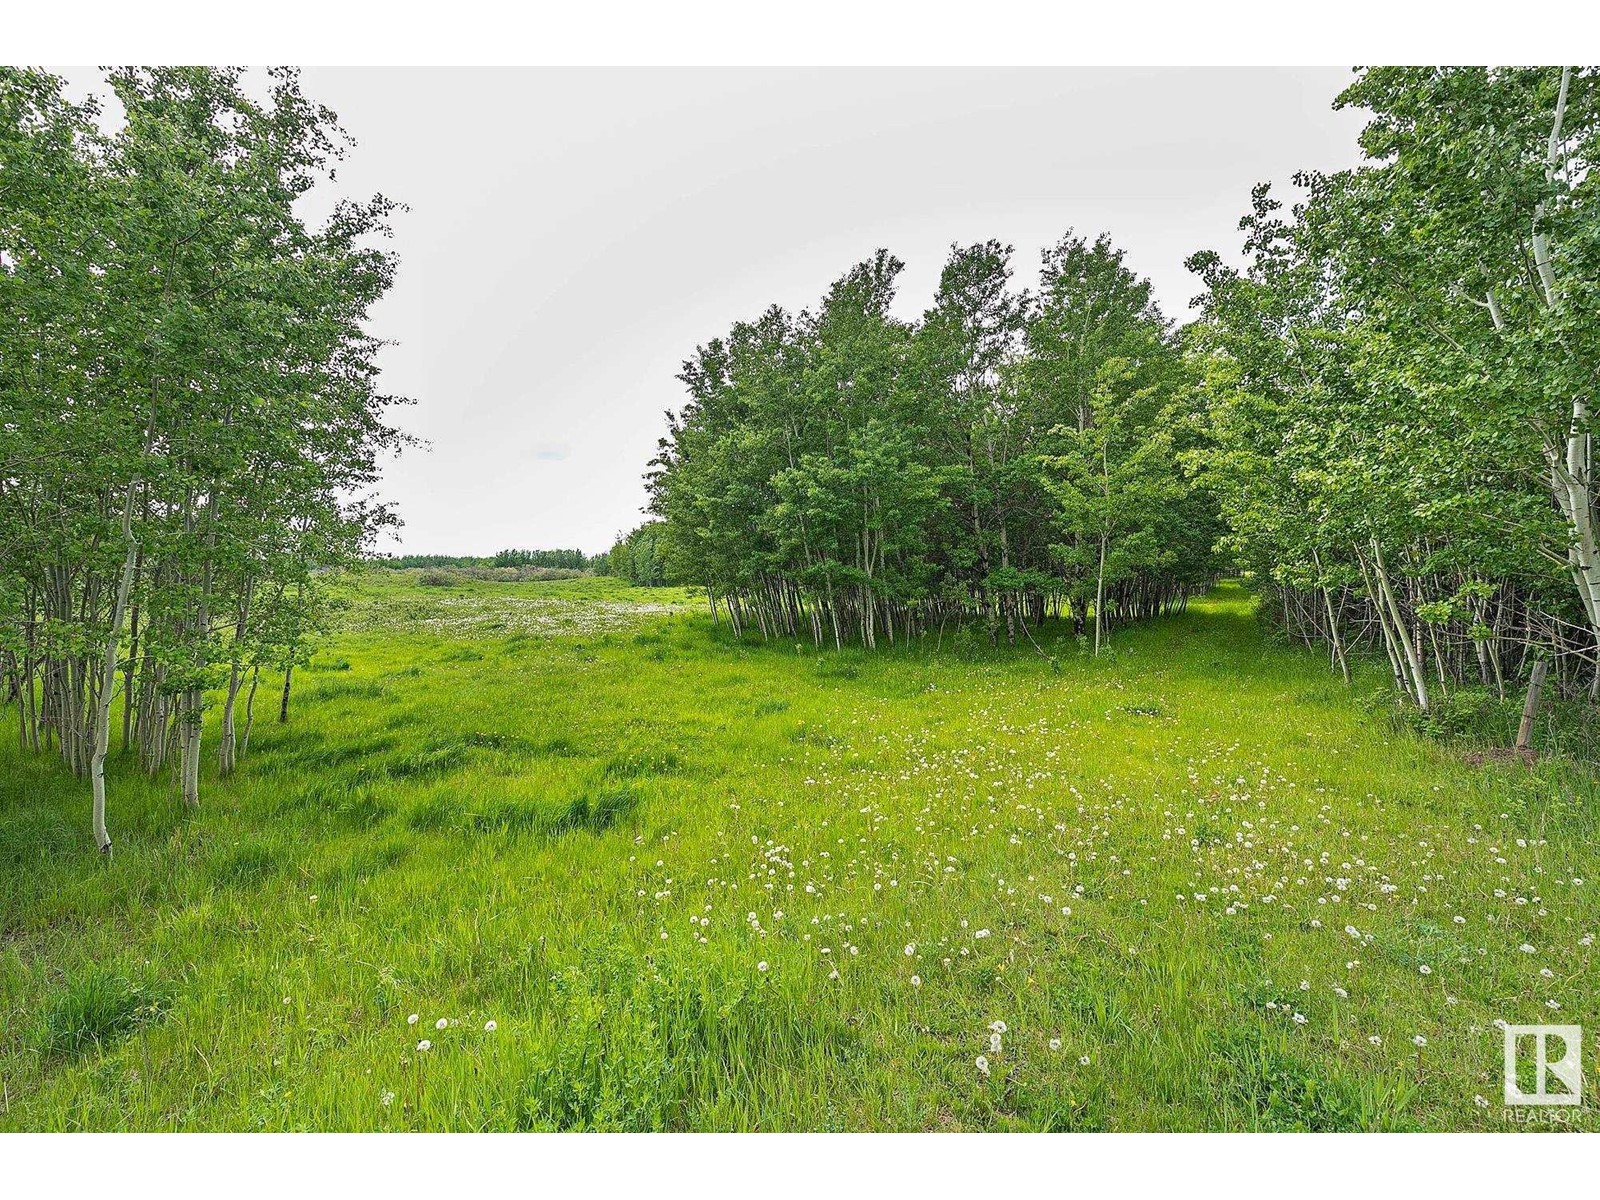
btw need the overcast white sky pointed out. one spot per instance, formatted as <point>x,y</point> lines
<point>574,233</point>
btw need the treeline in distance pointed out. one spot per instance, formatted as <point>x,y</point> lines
<point>566,560</point>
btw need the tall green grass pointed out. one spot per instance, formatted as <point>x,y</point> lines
<point>697,884</point>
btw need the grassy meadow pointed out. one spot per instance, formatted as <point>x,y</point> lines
<point>696,884</point>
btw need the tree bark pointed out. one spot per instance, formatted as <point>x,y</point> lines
<point>1530,706</point>
<point>1099,595</point>
<point>108,680</point>
<point>1413,662</point>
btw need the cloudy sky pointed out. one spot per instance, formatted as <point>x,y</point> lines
<point>574,233</point>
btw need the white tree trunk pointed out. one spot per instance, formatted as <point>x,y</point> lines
<point>1569,481</point>
<point>1099,594</point>
<point>1570,464</point>
<point>108,680</point>
<point>1333,620</point>
<point>190,762</point>
<point>1413,663</point>
<point>1541,243</point>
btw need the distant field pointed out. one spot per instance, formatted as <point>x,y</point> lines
<point>702,885</point>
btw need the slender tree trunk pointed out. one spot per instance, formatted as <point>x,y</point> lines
<point>249,711</point>
<point>1541,243</point>
<point>228,742</point>
<point>1418,676</point>
<point>1390,644</point>
<point>1099,595</point>
<point>108,680</point>
<point>193,714</point>
<point>133,658</point>
<point>1333,621</point>
<point>228,745</point>
<point>1530,706</point>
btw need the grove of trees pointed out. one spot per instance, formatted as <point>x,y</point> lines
<point>843,475</point>
<point>638,557</point>
<point>1399,385</point>
<point>190,416</point>
<point>1384,418</point>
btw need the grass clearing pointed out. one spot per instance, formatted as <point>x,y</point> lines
<point>703,885</point>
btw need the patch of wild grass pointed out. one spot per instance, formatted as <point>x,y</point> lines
<point>96,1008</point>
<point>628,873</point>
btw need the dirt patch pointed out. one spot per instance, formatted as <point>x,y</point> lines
<point>1478,758</point>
